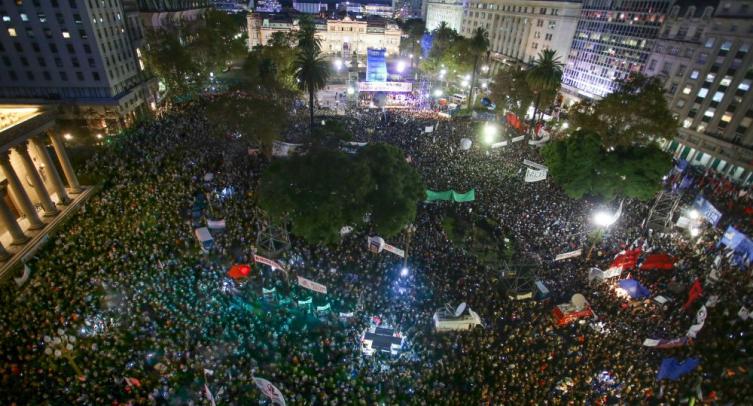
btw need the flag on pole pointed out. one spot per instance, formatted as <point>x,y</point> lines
<point>209,395</point>
<point>270,391</point>
<point>696,290</point>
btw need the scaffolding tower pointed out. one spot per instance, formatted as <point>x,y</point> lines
<point>660,216</point>
<point>272,239</point>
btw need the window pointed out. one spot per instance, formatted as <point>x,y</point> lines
<point>66,34</point>
<point>710,77</point>
<point>548,37</point>
<point>709,112</point>
<point>12,32</point>
<point>726,81</point>
<point>687,123</point>
<point>95,75</point>
<point>718,96</point>
<point>24,17</point>
<point>46,75</point>
<point>63,76</point>
<point>727,117</point>
<point>80,76</point>
<point>703,92</point>
<point>703,57</point>
<point>552,23</point>
<point>539,23</point>
<point>726,46</point>
<point>710,42</point>
<point>680,71</point>
<point>687,90</point>
<point>666,68</point>
<point>744,85</point>
<point>694,75</point>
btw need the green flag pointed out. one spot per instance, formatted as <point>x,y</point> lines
<point>432,196</point>
<point>464,197</point>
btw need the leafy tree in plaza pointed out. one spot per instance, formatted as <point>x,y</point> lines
<point>634,114</point>
<point>414,29</point>
<point>397,188</point>
<point>256,120</point>
<point>311,70</point>
<point>478,44</point>
<point>327,189</point>
<point>449,51</point>
<point>510,90</point>
<point>582,166</point>
<point>182,56</point>
<point>271,65</point>
<point>544,79</point>
<point>171,61</point>
<point>319,193</point>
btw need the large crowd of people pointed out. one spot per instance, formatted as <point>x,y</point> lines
<point>158,321</point>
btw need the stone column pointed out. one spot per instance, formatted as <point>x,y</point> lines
<point>70,175</point>
<point>9,220</point>
<point>17,189</point>
<point>57,183</point>
<point>4,254</point>
<point>36,180</point>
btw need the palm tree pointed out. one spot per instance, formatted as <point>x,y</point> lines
<point>311,74</point>
<point>307,39</point>
<point>477,45</point>
<point>544,78</point>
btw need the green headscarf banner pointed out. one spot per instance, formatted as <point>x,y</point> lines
<point>448,195</point>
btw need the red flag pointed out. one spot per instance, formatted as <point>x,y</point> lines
<point>239,271</point>
<point>696,290</point>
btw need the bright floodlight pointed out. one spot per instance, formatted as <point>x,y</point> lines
<point>338,64</point>
<point>565,125</point>
<point>490,133</point>
<point>485,68</point>
<point>404,272</point>
<point>484,85</point>
<point>694,214</point>
<point>400,66</point>
<point>465,83</point>
<point>603,219</point>
<point>443,72</point>
<point>437,92</point>
<point>694,232</point>
<point>351,90</point>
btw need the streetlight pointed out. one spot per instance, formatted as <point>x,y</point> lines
<point>465,83</point>
<point>351,90</point>
<point>61,345</point>
<point>485,68</point>
<point>603,219</point>
<point>565,125</point>
<point>400,66</point>
<point>338,64</point>
<point>437,92</point>
<point>490,132</point>
<point>409,230</point>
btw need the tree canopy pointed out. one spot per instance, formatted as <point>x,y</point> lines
<point>582,166</point>
<point>636,113</point>
<point>255,120</point>
<point>510,90</point>
<point>327,189</point>
<point>182,56</point>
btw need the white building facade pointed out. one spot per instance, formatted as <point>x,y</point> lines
<point>520,29</point>
<point>449,11</point>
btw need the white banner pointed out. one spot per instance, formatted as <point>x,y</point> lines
<point>25,277</point>
<point>385,87</point>
<point>499,144</point>
<point>375,244</point>
<point>216,224</point>
<point>700,319</point>
<point>518,139</point>
<point>397,251</point>
<point>566,255</point>
<point>429,129</point>
<point>311,285</point>
<point>266,261</point>
<point>534,165</point>
<point>533,175</point>
<point>270,391</point>
<point>283,149</point>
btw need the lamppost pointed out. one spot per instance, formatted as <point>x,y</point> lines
<point>409,230</point>
<point>603,220</point>
<point>61,345</point>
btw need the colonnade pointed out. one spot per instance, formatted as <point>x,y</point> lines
<point>19,193</point>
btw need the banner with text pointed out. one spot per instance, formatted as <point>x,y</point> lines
<point>566,255</point>
<point>266,261</point>
<point>311,285</point>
